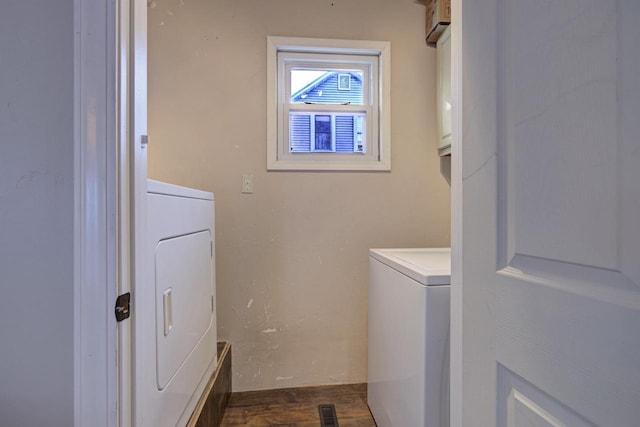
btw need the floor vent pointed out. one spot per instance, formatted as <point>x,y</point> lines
<point>328,416</point>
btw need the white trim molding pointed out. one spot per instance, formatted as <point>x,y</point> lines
<point>136,185</point>
<point>95,269</point>
<point>455,374</point>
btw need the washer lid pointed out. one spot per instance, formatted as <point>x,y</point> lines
<point>157,187</point>
<point>429,266</point>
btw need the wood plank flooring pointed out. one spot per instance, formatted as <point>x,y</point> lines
<point>298,407</point>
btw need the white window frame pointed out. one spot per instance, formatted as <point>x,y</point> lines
<point>372,56</point>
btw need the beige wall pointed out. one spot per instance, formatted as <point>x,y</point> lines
<point>292,265</point>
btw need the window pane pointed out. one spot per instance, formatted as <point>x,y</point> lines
<point>323,124</point>
<point>344,81</point>
<point>336,132</point>
<point>326,87</point>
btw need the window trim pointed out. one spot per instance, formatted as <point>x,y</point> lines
<point>278,156</point>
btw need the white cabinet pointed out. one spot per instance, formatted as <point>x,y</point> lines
<point>444,92</point>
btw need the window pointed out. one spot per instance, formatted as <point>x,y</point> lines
<point>328,104</point>
<point>344,81</point>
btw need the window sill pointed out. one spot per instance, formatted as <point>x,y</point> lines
<point>329,165</point>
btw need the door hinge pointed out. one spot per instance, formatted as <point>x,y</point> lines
<point>212,305</point>
<point>211,245</point>
<point>144,140</point>
<point>122,308</point>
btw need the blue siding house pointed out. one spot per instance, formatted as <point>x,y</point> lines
<point>328,132</point>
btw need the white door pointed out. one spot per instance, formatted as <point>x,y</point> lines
<point>548,315</point>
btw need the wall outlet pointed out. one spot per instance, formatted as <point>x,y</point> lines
<point>247,184</point>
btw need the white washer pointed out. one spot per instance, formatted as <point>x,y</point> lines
<point>174,316</point>
<point>408,369</point>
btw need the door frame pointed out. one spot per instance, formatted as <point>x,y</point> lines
<point>95,201</point>
<point>110,179</point>
<point>457,288</point>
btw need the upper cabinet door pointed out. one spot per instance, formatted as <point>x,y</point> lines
<point>444,92</point>
<point>550,180</point>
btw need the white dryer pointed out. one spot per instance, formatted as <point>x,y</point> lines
<point>175,316</point>
<point>408,348</point>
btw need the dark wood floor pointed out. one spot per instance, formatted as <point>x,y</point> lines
<point>298,407</point>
